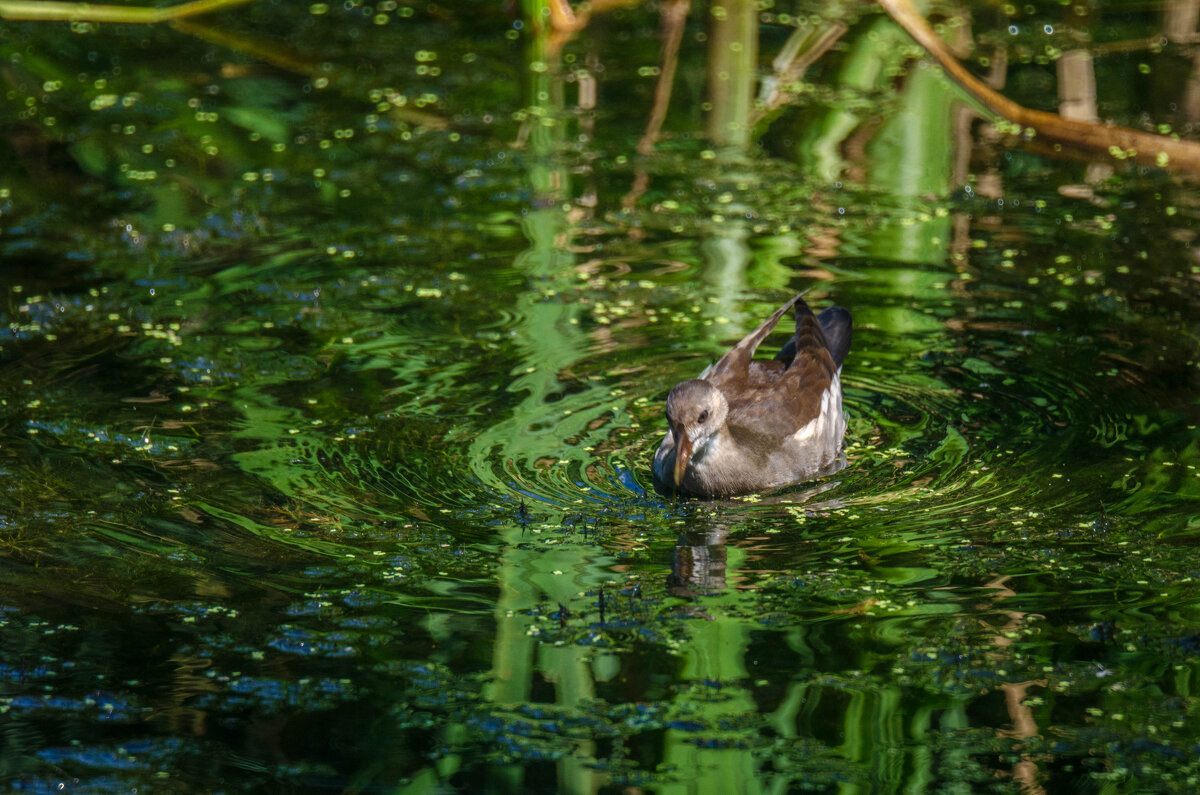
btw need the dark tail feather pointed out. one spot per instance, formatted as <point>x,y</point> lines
<point>788,352</point>
<point>836,327</point>
<point>835,322</point>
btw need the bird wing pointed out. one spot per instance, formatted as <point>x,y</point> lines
<point>778,398</point>
<point>735,365</point>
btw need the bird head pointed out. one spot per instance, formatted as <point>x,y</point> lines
<point>696,410</point>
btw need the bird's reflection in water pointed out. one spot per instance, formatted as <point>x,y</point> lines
<point>698,565</point>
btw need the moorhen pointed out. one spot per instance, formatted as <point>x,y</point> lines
<point>745,426</point>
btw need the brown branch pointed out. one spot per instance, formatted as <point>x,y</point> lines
<point>1145,147</point>
<point>801,51</point>
<point>292,61</point>
<point>263,51</point>
<point>674,14</point>
<point>565,23</point>
<point>565,20</point>
<point>49,10</point>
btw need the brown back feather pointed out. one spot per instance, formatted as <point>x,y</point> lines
<point>774,399</point>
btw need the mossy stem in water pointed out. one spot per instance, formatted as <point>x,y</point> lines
<point>51,11</point>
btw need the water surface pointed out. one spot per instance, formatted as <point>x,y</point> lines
<point>329,389</point>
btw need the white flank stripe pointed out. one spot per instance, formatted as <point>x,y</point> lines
<point>818,426</point>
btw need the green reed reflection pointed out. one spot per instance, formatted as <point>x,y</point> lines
<point>328,394</point>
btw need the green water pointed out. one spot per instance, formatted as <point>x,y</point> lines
<point>331,373</point>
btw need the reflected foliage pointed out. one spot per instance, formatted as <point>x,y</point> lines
<point>332,361</point>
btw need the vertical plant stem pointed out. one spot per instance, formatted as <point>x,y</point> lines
<point>732,70</point>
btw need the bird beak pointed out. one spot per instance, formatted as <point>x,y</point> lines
<point>683,450</point>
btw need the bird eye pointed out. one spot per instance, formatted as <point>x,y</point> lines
<point>703,416</point>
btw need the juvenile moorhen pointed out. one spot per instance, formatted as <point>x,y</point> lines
<point>745,426</point>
